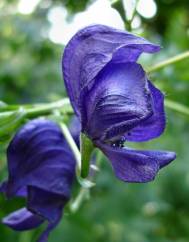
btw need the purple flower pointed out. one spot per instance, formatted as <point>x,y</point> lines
<point>114,99</point>
<point>41,168</point>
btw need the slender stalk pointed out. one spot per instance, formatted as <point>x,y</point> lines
<point>45,109</point>
<point>86,148</point>
<point>85,183</point>
<point>169,61</point>
<point>83,194</point>
<point>177,107</point>
<point>72,144</point>
<point>32,111</point>
<point>135,10</point>
<point>133,14</point>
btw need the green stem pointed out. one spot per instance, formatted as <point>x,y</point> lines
<point>133,14</point>
<point>45,109</point>
<point>72,145</point>
<point>119,6</point>
<point>32,111</point>
<point>169,61</point>
<point>87,148</point>
<point>83,194</point>
<point>177,107</point>
<point>85,183</point>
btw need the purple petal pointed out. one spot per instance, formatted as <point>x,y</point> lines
<point>154,125</point>
<point>41,163</point>
<point>3,187</point>
<point>91,49</point>
<point>44,236</point>
<point>39,156</point>
<point>75,129</point>
<point>48,205</point>
<point>20,193</point>
<point>163,157</point>
<point>119,100</point>
<point>136,165</point>
<point>22,219</point>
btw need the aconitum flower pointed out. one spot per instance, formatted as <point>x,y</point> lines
<point>41,168</point>
<point>114,99</point>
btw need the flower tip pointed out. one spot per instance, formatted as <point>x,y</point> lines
<point>158,48</point>
<point>167,158</point>
<point>173,155</point>
<point>21,220</point>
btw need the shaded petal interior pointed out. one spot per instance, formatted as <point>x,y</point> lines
<point>119,100</point>
<point>154,125</point>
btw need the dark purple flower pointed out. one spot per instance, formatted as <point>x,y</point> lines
<point>114,99</point>
<point>75,129</point>
<point>41,168</point>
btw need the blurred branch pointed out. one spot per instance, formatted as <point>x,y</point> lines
<point>32,111</point>
<point>133,14</point>
<point>13,116</point>
<point>45,109</point>
<point>168,62</point>
<point>119,6</point>
<point>177,107</point>
<point>83,194</point>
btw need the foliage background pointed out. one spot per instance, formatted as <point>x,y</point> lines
<point>116,212</point>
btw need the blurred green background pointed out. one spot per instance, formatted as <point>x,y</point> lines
<point>32,36</point>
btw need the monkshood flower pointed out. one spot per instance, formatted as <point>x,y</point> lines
<point>114,99</point>
<point>41,168</point>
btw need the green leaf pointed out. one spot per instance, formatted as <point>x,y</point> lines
<point>9,122</point>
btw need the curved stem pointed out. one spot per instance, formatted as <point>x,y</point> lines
<point>83,194</point>
<point>45,109</point>
<point>72,144</point>
<point>85,183</point>
<point>169,61</point>
<point>177,107</point>
<point>32,111</point>
<point>133,14</point>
